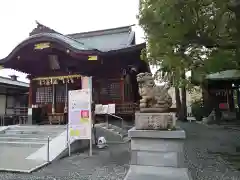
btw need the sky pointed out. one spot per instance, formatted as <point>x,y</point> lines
<point>18,18</point>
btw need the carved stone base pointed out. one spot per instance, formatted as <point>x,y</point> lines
<point>154,121</point>
<point>153,110</point>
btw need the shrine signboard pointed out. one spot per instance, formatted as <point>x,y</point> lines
<point>79,116</point>
<point>42,46</point>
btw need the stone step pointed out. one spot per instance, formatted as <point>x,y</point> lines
<point>24,139</point>
<point>21,144</point>
<point>40,136</point>
<point>114,128</point>
<point>19,131</point>
<point>111,133</point>
<point>37,129</point>
<point>40,127</point>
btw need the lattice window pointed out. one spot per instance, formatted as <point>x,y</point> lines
<point>110,90</point>
<point>44,95</point>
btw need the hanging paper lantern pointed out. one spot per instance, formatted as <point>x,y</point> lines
<point>51,81</point>
<point>48,82</point>
<point>65,109</point>
<point>40,82</point>
<point>55,81</point>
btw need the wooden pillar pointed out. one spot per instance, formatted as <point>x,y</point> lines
<point>53,98</point>
<point>122,89</point>
<point>6,101</point>
<point>66,99</point>
<point>30,94</point>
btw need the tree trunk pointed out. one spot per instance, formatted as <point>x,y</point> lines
<point>183,112</point>
<point>178,101</point>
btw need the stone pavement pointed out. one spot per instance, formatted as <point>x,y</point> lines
<point>206,148</point>
<point>107,164</point>
<point>10,160</point>
<point>205,151</point>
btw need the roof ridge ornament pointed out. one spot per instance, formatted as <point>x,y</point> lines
<point>41,29</point>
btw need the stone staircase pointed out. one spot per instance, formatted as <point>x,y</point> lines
<point>19,142</point>
<point>112,133</point>
<point>25,148</point>
<point>29,135</point>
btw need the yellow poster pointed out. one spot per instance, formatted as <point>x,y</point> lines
<point>74,132</point>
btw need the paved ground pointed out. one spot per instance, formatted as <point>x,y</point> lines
<point>9,158</point>
<point>212,153</point>
<point>108,164</point>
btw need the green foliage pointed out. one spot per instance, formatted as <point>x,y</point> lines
<point>220,60</point>
<point>191,35</point>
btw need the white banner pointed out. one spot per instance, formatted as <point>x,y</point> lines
<point>79,114</point>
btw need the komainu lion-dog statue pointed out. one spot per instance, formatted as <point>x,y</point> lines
<point>154,98</point>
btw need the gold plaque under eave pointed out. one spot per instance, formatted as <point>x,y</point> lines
<point>42,46</point>
<point>92,58</point>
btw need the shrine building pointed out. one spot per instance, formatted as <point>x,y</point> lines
<point>56,63</point>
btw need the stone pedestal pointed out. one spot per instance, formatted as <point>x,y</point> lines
<point>157,155</point>
<point>154,121</point>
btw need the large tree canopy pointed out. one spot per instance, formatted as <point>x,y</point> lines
<point>199,35</point>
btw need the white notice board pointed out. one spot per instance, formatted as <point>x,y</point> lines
<point>79,114</point>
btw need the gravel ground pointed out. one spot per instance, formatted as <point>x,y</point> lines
<point>205,151</point>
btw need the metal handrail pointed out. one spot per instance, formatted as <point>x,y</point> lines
<point>48,148</point>
<point>118,117</point>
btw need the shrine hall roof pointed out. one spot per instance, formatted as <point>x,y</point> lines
<point>108,39</point>
<point>103,40</point>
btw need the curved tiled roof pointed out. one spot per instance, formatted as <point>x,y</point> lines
<point>66,41</point>
<point>108,41</point>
